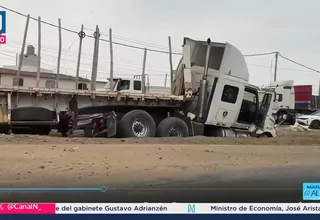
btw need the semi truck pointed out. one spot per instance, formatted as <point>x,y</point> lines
<point>210,96</point>
<point>290,100</point>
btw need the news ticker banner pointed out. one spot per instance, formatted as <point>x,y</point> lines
<point>159,208</point>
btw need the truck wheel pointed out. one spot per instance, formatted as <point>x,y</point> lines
<point>39,130</point>
<point>279,117</point>
<point>265,135</point>
<point>44,131</point>
<point>315,124</point>
<point>137,123</point>
<point>172,127</point>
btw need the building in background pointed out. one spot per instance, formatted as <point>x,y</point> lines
<point>28,75</point>
<point>29,62</point>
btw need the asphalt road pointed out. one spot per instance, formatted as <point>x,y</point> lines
<point>264,185</point>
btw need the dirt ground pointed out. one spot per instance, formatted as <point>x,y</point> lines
<point>74,161</point>
<point>285,137</point>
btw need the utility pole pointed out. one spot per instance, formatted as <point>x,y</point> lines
<point>59,54</point>
<point>275,67</point>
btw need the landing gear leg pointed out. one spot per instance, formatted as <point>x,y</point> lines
<point>64,124</point>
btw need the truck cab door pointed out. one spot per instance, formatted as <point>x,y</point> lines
<point>225,103</point>
<point>265,117</point>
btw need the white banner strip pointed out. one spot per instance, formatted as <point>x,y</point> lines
<point>187,208</point>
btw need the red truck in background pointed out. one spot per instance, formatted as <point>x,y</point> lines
<point>292,100</point>
<point>303,98</point>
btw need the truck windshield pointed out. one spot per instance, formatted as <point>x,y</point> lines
<point>108,84</point>
<point>215,59</point>
<point>266,101</point>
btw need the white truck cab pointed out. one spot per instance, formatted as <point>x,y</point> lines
<point>134,85</point>
<point>285,96</point>
<point>228,102</point>
<point>125,85</point>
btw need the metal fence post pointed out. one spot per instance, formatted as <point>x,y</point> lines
<point>81,36</point>
<point>39,53</point>
<point>143,77</point>
<point>171,66</point>
<point>111,61</point>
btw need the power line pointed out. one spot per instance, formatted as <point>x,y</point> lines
<point>75,32</point>
<point>127,66</point>
<point>104,72</point>
<point>89,57</point>
<point>132,40</point>
<point>117,43</point>
<point>259,54</point>
<point>44,22</point>
<point>297,63</point>
<point>153,50</point>
<point>283,57</point>
<point>289,69</point>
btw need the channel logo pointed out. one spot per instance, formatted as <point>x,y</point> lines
<point>311,191</point>
<point>191,208</point>
<point>3,30</point>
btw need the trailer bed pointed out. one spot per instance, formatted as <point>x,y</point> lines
<point>98,93</point>
<point>58,99</point>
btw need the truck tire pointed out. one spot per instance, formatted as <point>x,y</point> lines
<point>31,114</point>
<point>265,135</point>
<point>279,117</point>
<point>136,123</point>
<point>172,127</point>
<point>43,130</point>
<point>315,124</point>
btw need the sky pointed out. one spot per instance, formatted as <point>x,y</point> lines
<point>253,26</point>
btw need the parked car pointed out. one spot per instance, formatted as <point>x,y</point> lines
<point>312,120</point>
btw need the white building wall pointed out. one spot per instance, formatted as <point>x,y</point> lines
<point>100,85</point>
<point>30,81</point>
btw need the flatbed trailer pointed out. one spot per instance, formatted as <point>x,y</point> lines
<point>23,106</point>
